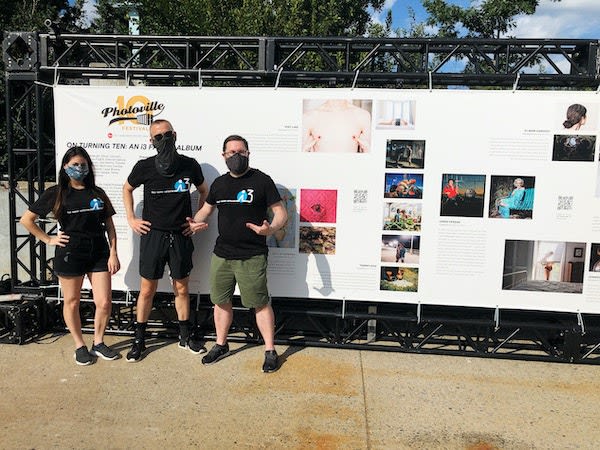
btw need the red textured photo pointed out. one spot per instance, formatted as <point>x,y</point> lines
<point>318,205</point>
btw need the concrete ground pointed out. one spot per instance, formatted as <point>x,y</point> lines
<point>319,399</point>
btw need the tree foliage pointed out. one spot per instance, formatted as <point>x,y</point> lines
<point>483,19</point>
<point>111,18</point>
<point>256,17</point>
<point>30,15</point>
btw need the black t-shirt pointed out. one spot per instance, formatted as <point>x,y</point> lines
<point>242,200</point>
<point>84,213</point>
<point>167,200</point>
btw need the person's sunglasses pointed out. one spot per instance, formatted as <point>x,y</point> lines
<point>159,137</point>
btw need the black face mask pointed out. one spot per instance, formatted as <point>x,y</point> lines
<point>167,159</point>
<point>237,163</point>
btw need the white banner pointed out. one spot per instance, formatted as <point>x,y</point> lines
<point>453,197</point>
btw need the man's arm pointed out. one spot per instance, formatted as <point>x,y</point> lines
<point>198,223</point>
<point>139,226</point>
<point>278,222</point>
<point>188,230</point>
<point>202,194</point>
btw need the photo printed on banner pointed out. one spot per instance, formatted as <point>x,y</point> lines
<point>543,266</point>
<point>402,154</point>
<point>462,195</point>
<point>336,126</point>
<point>511,197</point>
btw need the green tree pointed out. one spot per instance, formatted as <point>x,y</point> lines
<point>484,19</point>
<point>111,17</point>
<point>30,15</point>
<point>256,17</point>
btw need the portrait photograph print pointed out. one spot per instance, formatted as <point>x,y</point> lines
<point>403,185</point>
<point>402,216</point>
<point>511,197</point>
<point>401,154</point>
<point>336,126</point>
<point>462,195</point>
<point>400,248</point>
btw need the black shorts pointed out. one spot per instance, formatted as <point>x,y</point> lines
<point>81,255</point>
<point>158,248</point>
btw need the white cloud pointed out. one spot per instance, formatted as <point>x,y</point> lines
<point>568,19</point>
<point>379,17</point>
<point>89,10</point>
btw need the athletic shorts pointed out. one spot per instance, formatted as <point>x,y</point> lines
<point>158,248</point>
<point>249,274</point>
<point>81,255</point>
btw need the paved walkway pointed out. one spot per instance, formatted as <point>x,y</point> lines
<point>319,399</point>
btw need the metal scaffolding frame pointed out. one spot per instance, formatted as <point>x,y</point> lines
<point>35,62</point>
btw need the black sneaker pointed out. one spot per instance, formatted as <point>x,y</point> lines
<point>104,351</point>
<point>271,363</point>
<point>83,357</point>
<point>216,353</point>
<point>137,350</point>
<point>193,346</point>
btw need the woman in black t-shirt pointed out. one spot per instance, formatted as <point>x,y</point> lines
<point>84,214</point>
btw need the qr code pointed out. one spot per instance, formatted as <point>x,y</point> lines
<point>360,196</point>
<point>565,203</point>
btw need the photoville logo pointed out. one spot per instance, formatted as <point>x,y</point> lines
<point>137,110</point>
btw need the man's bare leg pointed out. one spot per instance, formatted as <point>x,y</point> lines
<point>144,301</point>
<point>223,318</point>
<point>265,320</point>
<point>143,309</point>
<point>182,298</point>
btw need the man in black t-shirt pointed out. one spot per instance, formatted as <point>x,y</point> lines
<point>243,196</point>
<point>164,229</point>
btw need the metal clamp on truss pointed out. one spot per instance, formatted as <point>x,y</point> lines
<point>356,73</point>
<point>56,78</point>
<point>278,77</point>
<point>496,318</point>
<point>580,323</point>
<point>516,84</point>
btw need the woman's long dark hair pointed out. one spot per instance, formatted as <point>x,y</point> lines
<point>575,113</point>
<point>63,181</point>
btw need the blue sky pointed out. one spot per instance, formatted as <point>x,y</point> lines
<point>568,19</point>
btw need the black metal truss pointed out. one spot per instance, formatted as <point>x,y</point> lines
<point>369,62</point>
<point>477,332</point>
<point>34,62</point>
